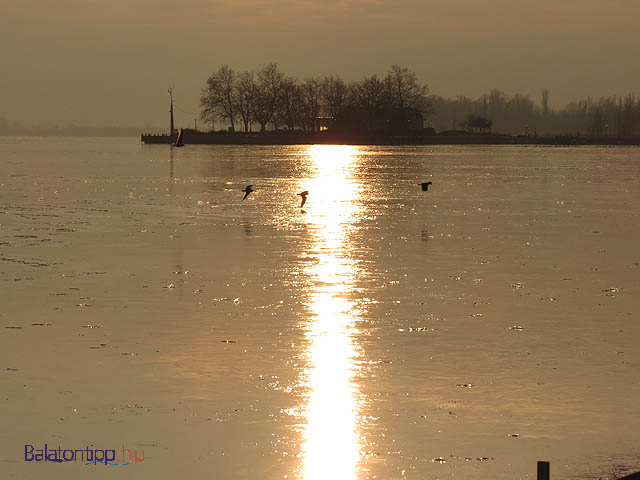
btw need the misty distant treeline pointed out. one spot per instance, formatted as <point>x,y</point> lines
<point>16,128</point>
<point>607,117</point>
<point>271,99</point>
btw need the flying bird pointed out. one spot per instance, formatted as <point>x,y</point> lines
<point>304,197</point>
<point>247,191</point>
<point>425,186</point>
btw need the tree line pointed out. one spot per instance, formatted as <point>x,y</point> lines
<point>616,116</point>
<point>269,98</point>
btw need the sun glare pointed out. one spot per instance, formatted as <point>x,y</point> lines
<point>331,441</point>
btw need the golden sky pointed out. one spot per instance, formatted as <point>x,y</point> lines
<point>99,62</point>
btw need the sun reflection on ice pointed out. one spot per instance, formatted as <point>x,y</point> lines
<point>332,439</point>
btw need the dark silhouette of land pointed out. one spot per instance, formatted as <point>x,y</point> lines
<point>393,110</point>
<point>192,137</point>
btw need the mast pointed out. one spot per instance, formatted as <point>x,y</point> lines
<point>171,110</point>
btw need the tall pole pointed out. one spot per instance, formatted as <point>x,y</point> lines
<point>171,110</point>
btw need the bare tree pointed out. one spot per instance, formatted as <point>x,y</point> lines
<point>628,116</point>
<point>477,123</point>
<point>497,103</point>
<point>216,99</point>
<point>310,103</point>
<point>334,93</point>
<point>268,88</point>
<point>545,102</point>
<point>244,94</point>
<point>372,96</point>
<point>404,89</point>
<point>288,106</point>
<point>598,123</point>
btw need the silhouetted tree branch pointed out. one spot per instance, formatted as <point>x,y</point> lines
<point>217,99</point>
<point>244,93</point>
<point>404,89</point>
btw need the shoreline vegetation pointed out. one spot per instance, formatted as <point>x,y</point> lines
<point>396,108</point>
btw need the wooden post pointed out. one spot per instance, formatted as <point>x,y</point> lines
<point>543,471</point>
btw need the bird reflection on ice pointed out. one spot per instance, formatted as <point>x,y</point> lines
<point>331,439</point>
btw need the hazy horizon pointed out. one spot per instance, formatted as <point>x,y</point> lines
<point>110,63</point>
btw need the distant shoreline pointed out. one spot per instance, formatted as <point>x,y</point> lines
<point>304,138</point>
<point>301,138</point>
<point>74,131</point>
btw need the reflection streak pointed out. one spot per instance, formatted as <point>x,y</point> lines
<point>331,441</point>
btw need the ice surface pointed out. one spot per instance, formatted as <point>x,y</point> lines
<point>463,332</point>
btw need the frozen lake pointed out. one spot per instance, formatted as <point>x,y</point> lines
<point>380,332</point>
